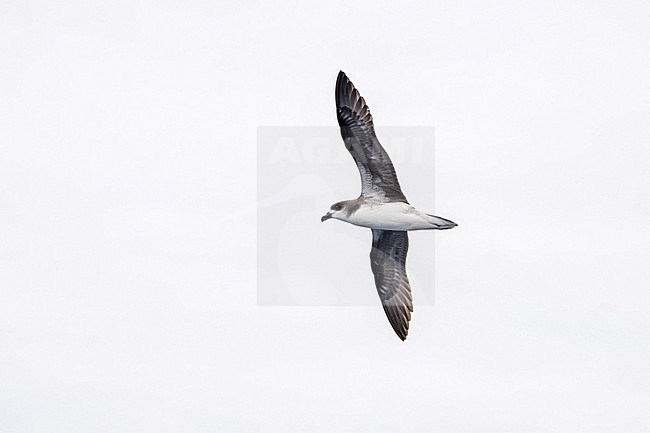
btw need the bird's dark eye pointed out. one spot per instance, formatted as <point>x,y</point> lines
<point>336,207</point>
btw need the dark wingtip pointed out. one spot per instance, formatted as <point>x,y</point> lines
<point>341,77</point>
<point>349,99</point>
<point>402,333</point>
<point>342,81</point>
<point>399,321</point>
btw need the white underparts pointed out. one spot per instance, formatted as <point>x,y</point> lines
<point>393,216</point>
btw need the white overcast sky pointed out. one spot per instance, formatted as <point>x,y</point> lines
<point>128,217</point>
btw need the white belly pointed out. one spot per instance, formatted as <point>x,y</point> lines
<point>390,216</point>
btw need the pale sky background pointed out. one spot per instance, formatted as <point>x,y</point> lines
<point>128,215</point>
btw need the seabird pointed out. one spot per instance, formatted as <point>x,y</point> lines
<point>381,206</point>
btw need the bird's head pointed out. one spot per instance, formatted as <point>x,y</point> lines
<point>337,211</point>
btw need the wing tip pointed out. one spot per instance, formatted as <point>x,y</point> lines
<point>342,81</point>
<point>399,320</point>
<point>349,99</point>
<point>402,334</point>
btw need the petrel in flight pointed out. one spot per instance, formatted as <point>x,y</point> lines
<point>381,206</point>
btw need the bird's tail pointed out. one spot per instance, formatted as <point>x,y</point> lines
<point>440,223</point>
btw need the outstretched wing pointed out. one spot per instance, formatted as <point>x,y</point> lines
<point>388,262</point>
<point>378,177</point>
